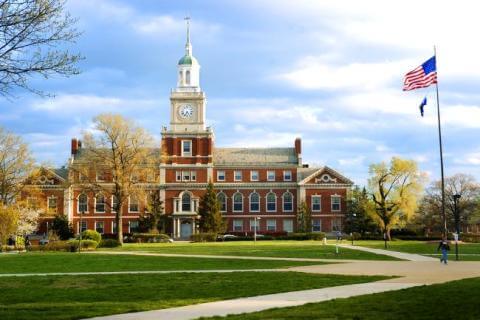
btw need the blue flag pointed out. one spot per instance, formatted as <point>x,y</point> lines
<point>423,104</point>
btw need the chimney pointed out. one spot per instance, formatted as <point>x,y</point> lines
<point>298,149</point>
<point>75,146</point>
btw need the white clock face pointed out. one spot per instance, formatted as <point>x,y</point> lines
<point>186,111</point>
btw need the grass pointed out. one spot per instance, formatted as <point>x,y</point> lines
<point>467,251</point>
<point>38,262</point>
<point>452,300</point>
<point>285,249</point>
<point>76,297</point>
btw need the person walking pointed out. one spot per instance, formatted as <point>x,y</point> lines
<point>443,245</point>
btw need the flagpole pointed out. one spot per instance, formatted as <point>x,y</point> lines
<point>441,150</point>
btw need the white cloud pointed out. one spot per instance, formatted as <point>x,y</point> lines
<point>355,161</point>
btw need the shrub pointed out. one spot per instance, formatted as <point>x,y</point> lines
<point>109,243</point>
<point>92,235</point>
<point>86,245</point>
<point>354,236</point>
<point>204,237</point>
<point>56,246</point>
<point>470,237</point>
<point>6,248</point>
<point>150,237</point>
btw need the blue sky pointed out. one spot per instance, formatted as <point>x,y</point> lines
<point>328,71</point>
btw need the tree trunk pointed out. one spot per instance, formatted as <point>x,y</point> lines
<point>119,220</point>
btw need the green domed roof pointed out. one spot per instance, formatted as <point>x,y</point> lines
<point>187,60</point>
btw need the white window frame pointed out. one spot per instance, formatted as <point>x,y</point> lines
<point>103,226</point>
<point>80,225</point>
<point>186,176</point>
<point>104,203</point>
<point>320,203</point>
<point>283,201</point>
<point>270,225</point>
<point>218,175</point>
<point>130,225</point>
<point>250,201</point>
<point>233,202</point>
<point>266,202</point>
<point>192,203</point>
<point>336,196</point>
<point>235,175</point>
<point>269,175</point>
<point>257,174</point>
<point>291,225</point>
<point>56,204</point>
<point>338,227</point>
<point>112,207</point>
<point>234,225</point>
<point>193,175</point>
<point>178,176</point>
<point>113,225</point>
<point>129,205</point>
<point>320,225</point>
<point>255,224</point>
<point>289,172</point>
<point>100,177</point>
<point>189,153</point>
<point>225,199</point>
<point>78,203</point>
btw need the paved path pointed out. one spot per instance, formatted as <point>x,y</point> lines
<point>395,254</point>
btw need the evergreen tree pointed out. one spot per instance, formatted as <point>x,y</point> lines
<point>357,218</point>
<point>61,227</point>
<point>304,218</point>
<point>211,219</point>
<point>154,220</point>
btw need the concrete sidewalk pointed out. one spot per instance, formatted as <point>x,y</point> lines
<point>253,304</point>
<point>395,254</point>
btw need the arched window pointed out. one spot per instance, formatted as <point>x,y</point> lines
<point>222,201</point>
<point>100,203</point>
<point>180,77</point>
<point>187,77</point>
<point>287,202</point>
<point>238,202</point>
<point>254,202</point>
<point>271,202</point>
<point>186,202</point>
<point>82,203</point>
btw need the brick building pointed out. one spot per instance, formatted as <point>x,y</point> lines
<point>251,183</point>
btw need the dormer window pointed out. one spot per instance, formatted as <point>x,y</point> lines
<point>186,148</point>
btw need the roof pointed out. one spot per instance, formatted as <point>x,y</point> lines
<point>187,60</point>
<point>303,173</point>
<point>255,156</point>
<point>61,172</point>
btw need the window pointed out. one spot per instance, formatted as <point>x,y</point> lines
<point>83,203</point>
<point>238,202</point>
<point>336,224</point>
<point>254,202</point>
<point>288,225</point>
<point>237,176</point>
<point>187,77</point>
<point>271,175</point>
<point>83,226</point>
<point>254,224</point>
<point>114,203</point>
<point>221,175</point>
<point>271,202</point>
<point>336,203</point>
<point>32,202</point>
<point>99,226</point>
<point>287,202</point>
<point>222,201</point>
<point>101,176</point>
<point>186,202</point>
<point>178,175</point>
<point>114,227</point>
<point>253,175</point>
<point>186,148</point>
<point>287,175</point>
<point>237,225</point>
<point>271,225</point>
<point>52,205</point>
<point>100,203</point>
<point>133,226</point>
<point>316,225</point>
<point>133,204</point>
<point>316,203</point>
<point>185,175</point>
<point>134,177</point>
<point>193,176</point>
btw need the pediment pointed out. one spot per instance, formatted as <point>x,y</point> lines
<point>327,176</point>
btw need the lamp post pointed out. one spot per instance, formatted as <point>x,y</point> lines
<point>456,215</point>
<point>80,231</point>
<point>255,230</point>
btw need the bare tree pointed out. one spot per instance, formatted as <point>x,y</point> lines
<point>122,151</point>
<point>16,167</point>
<point>31,34</point>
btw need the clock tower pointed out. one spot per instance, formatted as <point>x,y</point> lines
<point>188,140</point>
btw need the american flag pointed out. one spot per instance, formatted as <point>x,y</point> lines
<point>422,76</point>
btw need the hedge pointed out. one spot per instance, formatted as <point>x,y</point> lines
<point>204,237</point>
<point>92,235</point>
<point>69,246</point>
<point>149,237</point>
<point>109,243</point>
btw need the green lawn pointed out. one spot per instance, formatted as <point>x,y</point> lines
<point>286,249</point>
<point>453,300</point>
<point>467,251</point>
<point>38,262</point>
<point>76,297</point>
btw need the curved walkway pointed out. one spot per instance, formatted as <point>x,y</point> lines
<point>395,254</point>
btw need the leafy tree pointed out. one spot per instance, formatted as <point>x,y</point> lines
<point>468,206</point>
<point>358,218</point>
<point>61,227</point>
<point>8,222</point>
<point>211,219</point>
<point>304,218</point>
<point>123,149</point>
<point>394,189</point>
<point>32,32</point>
<point>153,221</point>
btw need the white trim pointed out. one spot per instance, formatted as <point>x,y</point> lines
<point>266,201</point>
<point>235,175</point>
<point>218,175</point>
<point>284,175</point>
<point>178,176</point>
<point>78,203</point>
<point>233,225</point>
<point>48,204</point>
<point>103,227</point>
<point>233,201</point>
<point>311,202</point>
<point>339,204</point>
<point>283,225</point>
<point>187,154</point>
<point>283,201</point>
<point>138,204</point>
<point>251,175</point>
<point>274,225</point>
<point>274,175</point>
<point>320,225</point>
<point>95,203</point>
<point>225,199</point>
<point>250,201</point>
<point>112,208</point>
